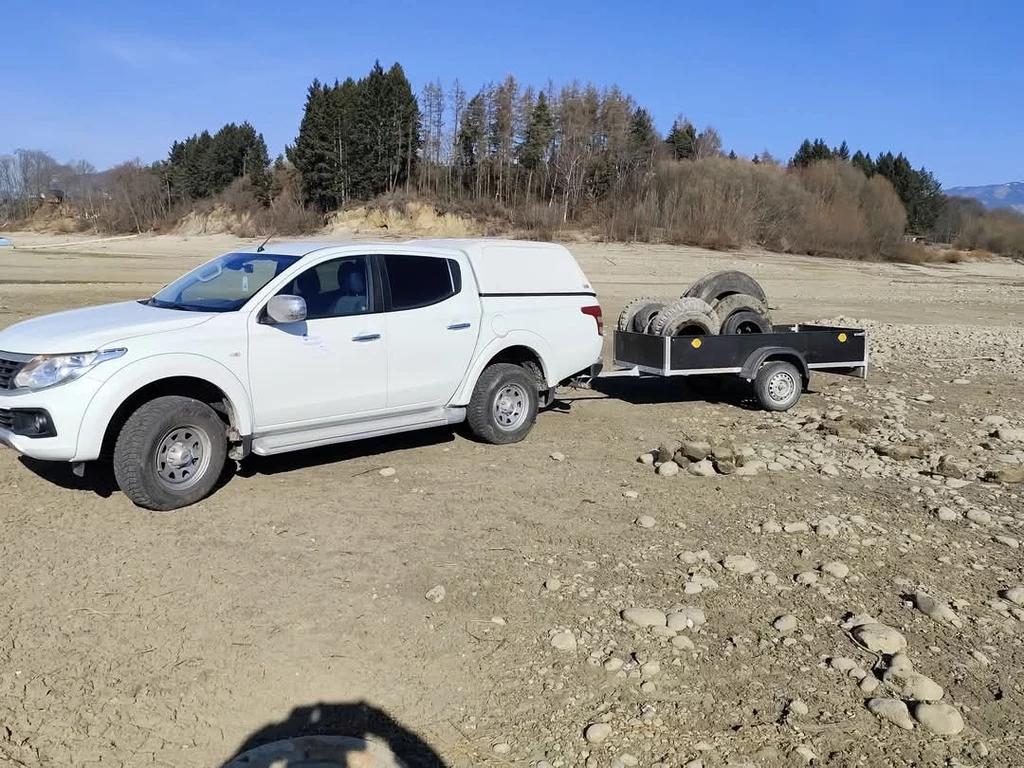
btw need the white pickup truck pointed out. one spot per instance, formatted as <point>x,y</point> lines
<point>291,346</point>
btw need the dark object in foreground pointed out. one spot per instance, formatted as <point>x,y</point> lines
<point>353,733</point>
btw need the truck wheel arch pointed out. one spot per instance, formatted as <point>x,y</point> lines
<point>522,348</point>
<point>188,376</point>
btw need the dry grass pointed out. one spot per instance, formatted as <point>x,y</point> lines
<point>829,209</point>
<point>916,253</point>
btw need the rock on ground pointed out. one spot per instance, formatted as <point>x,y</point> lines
<point>912,685</point>
<point>686,617</point>
<point>597,733</point>
<point>880,638</point>
<point>1008,476</point>
<point>1014,594</point>
<point>785,623</point>
<point>943,719</point>
<point>563,641</point>
<point>934,609</point>
<point>695,450</point>
<point>836,569</point>
<point>436,594</point>
<point>703,468</point>
<point>645,617</point>
<point>741,564</point>
<point>668,469</point>
<point>893,710</point>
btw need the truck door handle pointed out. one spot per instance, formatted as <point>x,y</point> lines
<point>458,326</point>
<point>366,337</point>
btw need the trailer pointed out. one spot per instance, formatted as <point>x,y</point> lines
<point>777,365</point>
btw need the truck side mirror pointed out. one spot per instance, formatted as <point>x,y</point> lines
<point>286,309</point>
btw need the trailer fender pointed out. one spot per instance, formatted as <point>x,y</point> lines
<point>760,356</point>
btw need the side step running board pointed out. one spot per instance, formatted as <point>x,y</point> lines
<point>282,442</point>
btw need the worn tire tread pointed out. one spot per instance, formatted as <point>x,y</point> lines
<point>685,309</point>
<point>718,285</point>
<point>625,322</point>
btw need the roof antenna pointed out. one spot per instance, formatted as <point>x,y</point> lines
<point>264,243</point>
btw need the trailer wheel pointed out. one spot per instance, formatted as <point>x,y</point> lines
<point>741,313</point>
<point>630,310</point>
<point>504,404</point>
<point>686,317</point>
<point>778,385</point>
<point>718,285</point>
<point>645,316</point>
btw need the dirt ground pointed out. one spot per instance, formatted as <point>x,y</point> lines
<point>130,638</point>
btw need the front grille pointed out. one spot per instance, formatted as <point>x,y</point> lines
<point>6,419</point>
<point>10,364</point>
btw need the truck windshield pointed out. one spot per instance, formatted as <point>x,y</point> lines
<point>224,284</point>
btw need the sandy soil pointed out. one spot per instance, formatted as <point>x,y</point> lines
<point>128,638</point>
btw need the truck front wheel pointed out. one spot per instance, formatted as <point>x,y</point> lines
<point>504,404</point>
<point>170,453</point>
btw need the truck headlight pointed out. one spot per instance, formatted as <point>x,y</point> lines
<point>45,371</point>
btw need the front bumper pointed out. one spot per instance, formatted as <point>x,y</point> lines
<point>65,405</point>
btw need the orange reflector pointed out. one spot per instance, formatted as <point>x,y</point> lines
<point>842,337</point>
<point>696,343</point>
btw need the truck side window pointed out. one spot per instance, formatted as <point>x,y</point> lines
<point>419,281</point>
<point>336,288</point>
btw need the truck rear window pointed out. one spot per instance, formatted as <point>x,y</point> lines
<point>419,281</point>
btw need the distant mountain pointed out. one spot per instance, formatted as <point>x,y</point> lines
<point>995,195</point>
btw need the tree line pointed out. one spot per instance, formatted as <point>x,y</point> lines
<point>534,160</point>
<point>918,189</point>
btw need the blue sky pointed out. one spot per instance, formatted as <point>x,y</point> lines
<point>108,80</point>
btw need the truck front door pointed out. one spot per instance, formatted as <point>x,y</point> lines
<point>333,366</point>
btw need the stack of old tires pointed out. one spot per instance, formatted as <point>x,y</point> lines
<point>723,302</point>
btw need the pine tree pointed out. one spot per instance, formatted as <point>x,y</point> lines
<point>732,154</point>
<point>472,132</point>
<point>535,150</point>
<point>804,155</point>
<point>864,163</point>
<point>681,139</point>
<point>642,136</point>
<point>842,152</point>
<point>314,153</point>
<point>814,152</point>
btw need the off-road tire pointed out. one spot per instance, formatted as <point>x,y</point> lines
<point>718,285</point>
<point>740,313</point>
<point>519,387</point>
<point>645,316</point>
<point>686,317</point>
<point>625,322</point>
<point>138,445</point>
<point>778,385</point>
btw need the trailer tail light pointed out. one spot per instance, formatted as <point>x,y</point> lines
<point>595,312</point>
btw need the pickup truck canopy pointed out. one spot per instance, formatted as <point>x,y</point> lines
<point>513,267</point>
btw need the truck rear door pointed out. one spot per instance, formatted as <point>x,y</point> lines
<point>432,315</point>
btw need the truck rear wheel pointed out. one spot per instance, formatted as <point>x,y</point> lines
<point>504,404</point>
<point>170,453</point>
